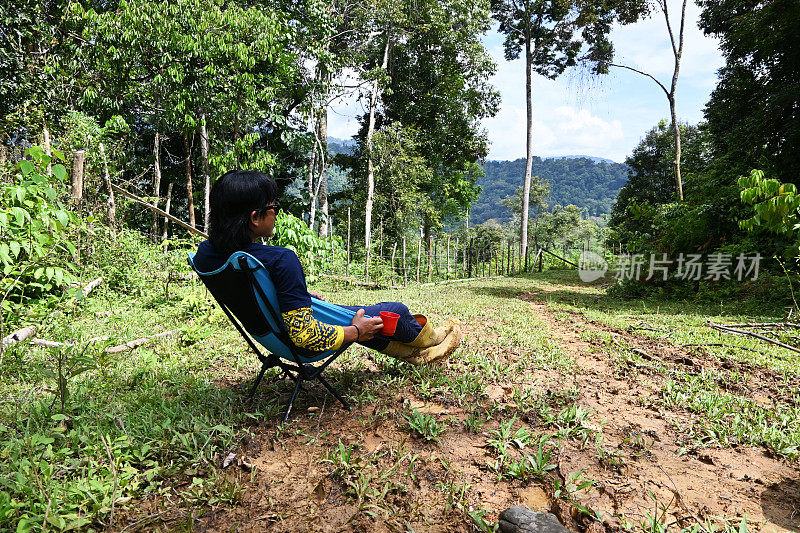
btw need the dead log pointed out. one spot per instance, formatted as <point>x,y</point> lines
<point>19,335</point>
<point>48,344</point>
<point>130,345</point>
<point>726,329</point>
<point>91,286</point>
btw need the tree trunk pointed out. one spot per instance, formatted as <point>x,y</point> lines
<point>112,206</point>
<point>676,130</point>
<point>48,149</point>
<point>373,103</point>
<point>322,197</point>
<point>166,221</point>
<point>526,187</point>
<point>312,189</point>
<point>156,179</point>
<point>189,192</point>
<point>676,164</point>
<point>204,170</point>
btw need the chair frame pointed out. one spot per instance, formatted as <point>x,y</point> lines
<point>298,370</point>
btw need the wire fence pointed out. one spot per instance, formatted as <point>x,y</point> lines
<point>445,258</point>
<point>438,259</point>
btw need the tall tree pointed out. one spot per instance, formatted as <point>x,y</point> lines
<point>552,34</point>
<point>439,84</point>
<point>677,54</point>
<point>174,64</point>
<point>38,68</point>
<point>754,113</point>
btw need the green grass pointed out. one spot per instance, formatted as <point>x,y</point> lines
<point>154,421</point>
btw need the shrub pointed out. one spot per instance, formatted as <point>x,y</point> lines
<point>35,245</point>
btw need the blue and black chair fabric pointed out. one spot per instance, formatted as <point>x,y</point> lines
<point>244,290</point>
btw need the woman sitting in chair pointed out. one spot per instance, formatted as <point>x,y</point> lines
<point>243,209</point>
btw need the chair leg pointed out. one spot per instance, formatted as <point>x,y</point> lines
<point>333,391</point>
<point>297,385</point>
<point>258,380</point>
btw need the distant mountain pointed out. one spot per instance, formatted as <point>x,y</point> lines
<point>341,146</point>
<point>591,185</point>
<point>592,157</point>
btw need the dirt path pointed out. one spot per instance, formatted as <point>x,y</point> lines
<point>693,483</point>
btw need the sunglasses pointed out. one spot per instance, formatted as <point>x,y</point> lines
<point>275,207</point>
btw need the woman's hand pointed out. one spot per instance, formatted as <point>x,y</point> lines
<point>367,327</point>
<point>316,295</point>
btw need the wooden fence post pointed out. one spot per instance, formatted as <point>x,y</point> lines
<point>469,258</point>
<point>447,274</point>
<point>419,256</point>
<point>455,260</point>
<point>430,257</point>
<point>77,175</point>
<point>436,257</point>
<point>405,272</point>
<point>391,275</point>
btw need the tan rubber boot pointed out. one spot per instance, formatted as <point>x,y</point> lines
<point>441,351</point>
<point>417,355</point>
<point>429,336</point>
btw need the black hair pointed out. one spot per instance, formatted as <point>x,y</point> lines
<point>233,197</point>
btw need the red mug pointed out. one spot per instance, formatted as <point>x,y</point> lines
<point>389,322</point>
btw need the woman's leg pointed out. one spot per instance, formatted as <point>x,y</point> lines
<point>408,328</point>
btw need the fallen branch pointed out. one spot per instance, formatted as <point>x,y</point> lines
<point>130,345</point>
<point>722,345</point>
<point>765,325</point>
<point>457,280</point>
<point>19,335</point>
<point>751,334</point>
<point>49,344</point>
<point>155,209</point>
<point>91,286</point>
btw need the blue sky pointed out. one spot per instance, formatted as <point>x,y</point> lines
<point>577,114</point>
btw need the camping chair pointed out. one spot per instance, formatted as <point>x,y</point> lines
<point>245,292</point>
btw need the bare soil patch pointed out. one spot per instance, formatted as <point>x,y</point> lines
<point>693,483</point>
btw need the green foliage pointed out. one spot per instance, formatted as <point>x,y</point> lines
<point>439,85</point>
<point>645,216</point>
<point>777,206</point>
<point>314,252</point>
<point>751,114</point>
<point>35,241</point>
